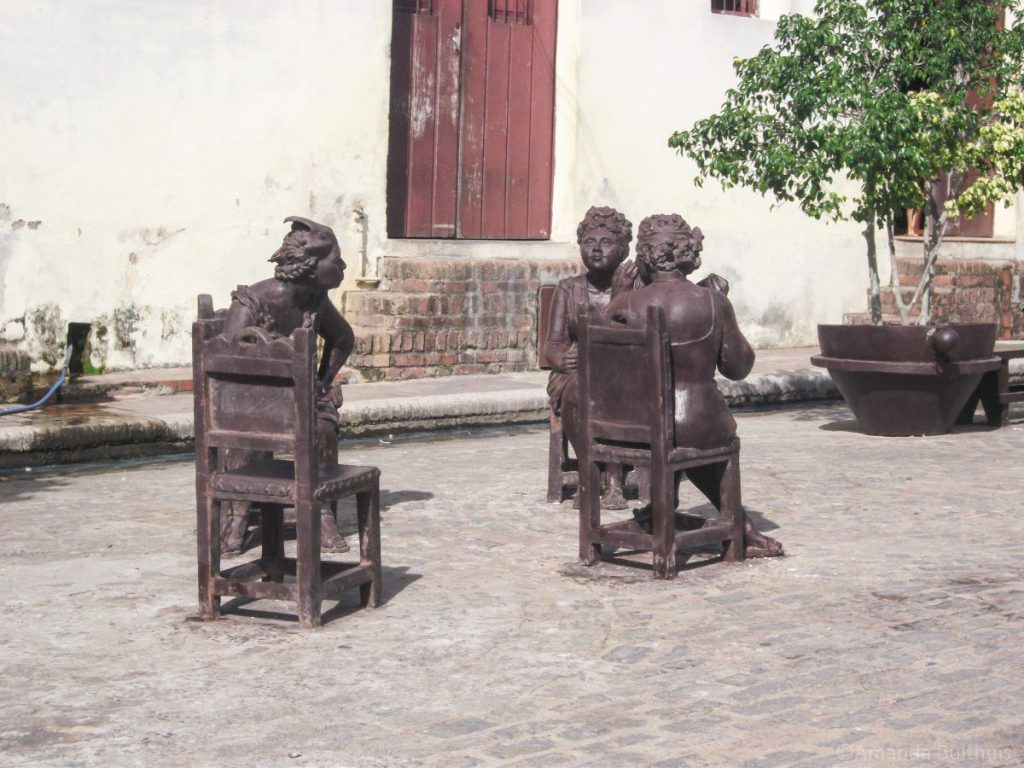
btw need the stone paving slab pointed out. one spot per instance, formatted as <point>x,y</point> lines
<point>889,636</point>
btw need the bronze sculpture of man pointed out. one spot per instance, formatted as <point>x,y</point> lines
<point>704,335</point>
<point>308,265</point>
<point>603,235</point>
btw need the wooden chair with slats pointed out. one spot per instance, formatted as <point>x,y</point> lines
<point>626,416</point>
<point>254,392</point>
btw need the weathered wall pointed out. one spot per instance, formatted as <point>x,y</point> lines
<point>645,75</point>
<point>964,290</point>
<point>148,152</point>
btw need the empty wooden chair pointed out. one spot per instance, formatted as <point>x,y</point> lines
<point>626,413</point>
<point>255,392</point>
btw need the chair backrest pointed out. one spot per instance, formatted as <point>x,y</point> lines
<point>212,321</point>
<point>255,392</point>
<point>625,380</point>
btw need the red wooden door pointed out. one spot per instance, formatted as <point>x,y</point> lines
<point>472,119</point>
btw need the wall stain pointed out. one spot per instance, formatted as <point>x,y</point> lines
<point>172,323</point>
<point>47,334</point>
<point>777,317</point>
<point>125,321</point>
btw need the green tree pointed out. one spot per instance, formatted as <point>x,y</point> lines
<point>899,97</point>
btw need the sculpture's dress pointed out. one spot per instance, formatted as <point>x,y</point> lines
<point>704,336</point>
<point>570,294</point>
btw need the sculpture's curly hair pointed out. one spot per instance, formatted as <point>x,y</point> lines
<point>294,259</point>
<point>684,252</point>
<point>608,218</point>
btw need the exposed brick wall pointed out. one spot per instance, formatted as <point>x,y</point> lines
<point>441,316</point>
<point>964,291</point>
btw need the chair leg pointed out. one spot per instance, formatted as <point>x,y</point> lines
<point>368,513</point>
<point>555,458</point>
<point>272,530</point>
<point>732,509</point>
<point>308,577</point>
<point>590,511</point>
<point>664,529</point>
<point>208,546</point>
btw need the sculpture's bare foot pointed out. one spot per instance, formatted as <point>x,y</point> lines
<point>759,545</point>
<point>613,497</point>
<point>331,539</point>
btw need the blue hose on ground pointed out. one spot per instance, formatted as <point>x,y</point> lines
<point>47,396</point>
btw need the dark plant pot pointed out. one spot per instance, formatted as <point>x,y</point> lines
<point>906,380</point>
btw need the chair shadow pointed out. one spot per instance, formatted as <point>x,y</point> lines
<point>346,516</point>
<point>687,558</point>
<point>393,581</point>
<point>390,499</point>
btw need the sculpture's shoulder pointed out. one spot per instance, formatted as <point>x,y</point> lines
<point>571,292</point>
<point>630,308</point>
<point>573,285</point>
<point>254,300</point>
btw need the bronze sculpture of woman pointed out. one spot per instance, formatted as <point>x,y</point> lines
<point>308,265</point>
<point>704,336</point>
<point>603,235</point>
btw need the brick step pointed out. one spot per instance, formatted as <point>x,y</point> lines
<point>502,306</point>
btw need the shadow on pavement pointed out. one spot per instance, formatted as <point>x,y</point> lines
<point>394,581</point>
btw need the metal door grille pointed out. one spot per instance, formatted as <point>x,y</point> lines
<point>511,11</point>
<point>423,7</point>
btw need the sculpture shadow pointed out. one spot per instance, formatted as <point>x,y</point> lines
<point>19,487</point>
<point>394,580</point>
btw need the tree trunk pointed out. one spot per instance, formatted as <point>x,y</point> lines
<point>874,286</point>
<point>894,276</point>
<point>936,220</point>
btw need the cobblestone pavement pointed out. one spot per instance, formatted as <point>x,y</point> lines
<point>890,635</point>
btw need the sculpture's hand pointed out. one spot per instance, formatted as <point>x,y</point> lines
<point>716,283</point>
<point>624,278</point>
<point>569,359</point>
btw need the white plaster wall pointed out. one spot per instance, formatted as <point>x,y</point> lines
<point>149,149</point>
<point>643,76</point>
<point>159,144</point>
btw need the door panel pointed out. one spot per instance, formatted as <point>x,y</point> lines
<point>472,119</point>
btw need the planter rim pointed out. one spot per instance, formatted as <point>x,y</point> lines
<point>904,328</point>
<point>973,365</point>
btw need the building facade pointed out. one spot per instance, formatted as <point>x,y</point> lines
<point>149,151</point>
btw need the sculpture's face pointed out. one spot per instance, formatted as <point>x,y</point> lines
<point>601,250</point>
<point>330,270</point>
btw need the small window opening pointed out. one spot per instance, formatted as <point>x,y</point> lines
<point>735,7</point>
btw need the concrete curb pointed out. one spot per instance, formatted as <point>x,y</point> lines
<point>112,430</point>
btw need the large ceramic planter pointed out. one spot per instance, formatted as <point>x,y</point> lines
<point>906,380</point>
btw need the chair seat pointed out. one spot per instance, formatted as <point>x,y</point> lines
<point>641,457</point>
<point>275,478</point>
